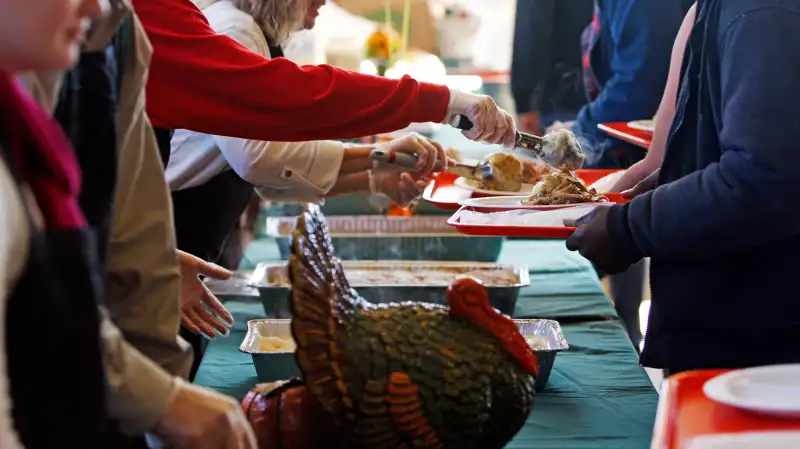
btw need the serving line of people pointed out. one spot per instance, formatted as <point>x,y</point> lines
<point>126,380</point>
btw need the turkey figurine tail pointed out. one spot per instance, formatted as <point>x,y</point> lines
<point>322,305</point>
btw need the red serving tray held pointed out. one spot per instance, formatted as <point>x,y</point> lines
<point>684,412</point>
<point>542,232</point>
<point>622,131</point>
<point>442,193</point>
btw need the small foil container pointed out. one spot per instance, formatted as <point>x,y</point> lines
<point>275,366</point>
<point>271,279</point>
<point>270,366</point>
<point>379,237</point>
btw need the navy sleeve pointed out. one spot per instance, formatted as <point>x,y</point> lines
<point>751,197</point>
<point>533,31</point>
<point>642,32</point>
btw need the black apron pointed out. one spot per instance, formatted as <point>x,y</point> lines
<point>205,217</point>
<point>55,368</point>
<point>87,109</point>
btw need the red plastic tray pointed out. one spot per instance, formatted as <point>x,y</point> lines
<point>622,131</point>
<point>684,412</point>
<point>442,193</point>
<point>543,232</point>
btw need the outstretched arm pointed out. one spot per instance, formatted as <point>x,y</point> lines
<point>206,82</point>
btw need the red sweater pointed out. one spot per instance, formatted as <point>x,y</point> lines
<point>209,83</point>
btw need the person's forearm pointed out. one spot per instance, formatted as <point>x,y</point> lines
<point>350,183</point>
<point>139,391</point>
<point>205,82</point>
<point>356,159</point>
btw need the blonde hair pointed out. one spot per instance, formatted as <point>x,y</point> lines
<point>276,18</point>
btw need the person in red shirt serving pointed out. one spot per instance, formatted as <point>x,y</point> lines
<point>209,83</point>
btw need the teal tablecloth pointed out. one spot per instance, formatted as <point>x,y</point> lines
<point>597,397</point>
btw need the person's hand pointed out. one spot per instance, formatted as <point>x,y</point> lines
<point>489,122</point>
<point>556,126</point>
<point>593,241</point>
<point>401,187</point>
<point>197,301</point>
<point>645,185</point>
<point>431,155</point>
<point>529,122</point>
<point>198,418</point>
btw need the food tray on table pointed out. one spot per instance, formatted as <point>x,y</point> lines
<point>530,223</point>
<point>378,237</point>
<point>687,418</point>
<point>277,361</point>
<point>443,192</point>
<point>386,281</point>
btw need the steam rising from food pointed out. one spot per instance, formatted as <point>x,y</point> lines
<point>562,147</point>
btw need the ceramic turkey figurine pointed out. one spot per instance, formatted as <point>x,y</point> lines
<point>408,375</point>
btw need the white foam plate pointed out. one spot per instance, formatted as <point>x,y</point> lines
<point>767,390</point>
<point>464,183</point>
<point>746,440</point>
<point>513,202</point>
<point>643,125</point>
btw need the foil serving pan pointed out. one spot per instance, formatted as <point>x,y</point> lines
<point>545,335</point>
<point>272,281</point>
<point>378,237</point>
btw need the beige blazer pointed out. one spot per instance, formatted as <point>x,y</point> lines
<point>143,352</point>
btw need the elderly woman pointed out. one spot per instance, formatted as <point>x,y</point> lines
<point>217,173</point>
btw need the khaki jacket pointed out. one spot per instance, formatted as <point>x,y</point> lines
<point>143,352</point>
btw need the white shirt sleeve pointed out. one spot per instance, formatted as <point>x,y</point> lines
<point>13,255</point>
<point>300,171</point>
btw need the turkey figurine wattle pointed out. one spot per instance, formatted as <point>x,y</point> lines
<point>409,375</point>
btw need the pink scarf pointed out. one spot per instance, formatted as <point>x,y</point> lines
<point>41,154</point>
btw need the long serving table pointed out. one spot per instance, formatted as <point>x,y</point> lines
<point>597,396</point>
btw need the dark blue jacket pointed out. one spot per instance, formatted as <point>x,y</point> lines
<point>630,61</point>
<point>723,227</point>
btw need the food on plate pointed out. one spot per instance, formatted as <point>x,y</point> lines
<point>499,172</point>
<point>533,170</point>
<point>563,148</point>
<point>275,344</point>
<point>385,374</point>
<point>562,188</point>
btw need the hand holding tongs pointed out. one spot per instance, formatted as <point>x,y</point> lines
<point>554,152</point>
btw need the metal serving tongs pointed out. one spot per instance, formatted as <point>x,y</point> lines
<point>554,152</point>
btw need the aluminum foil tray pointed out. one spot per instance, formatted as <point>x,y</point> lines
<point>410,282</point>
<point>545,335</point>
<point>377,237</point>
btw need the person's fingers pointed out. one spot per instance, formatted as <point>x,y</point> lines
<point>499,135</point>
<point>214,304</point>
<point>630,193</point>
<point>188,323</point>
<point>204,328</point>
<point>573,242</point>
<point>211,320</point>
<point>442,161</point>
<point>212,270</point>
<point>427,147</point>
